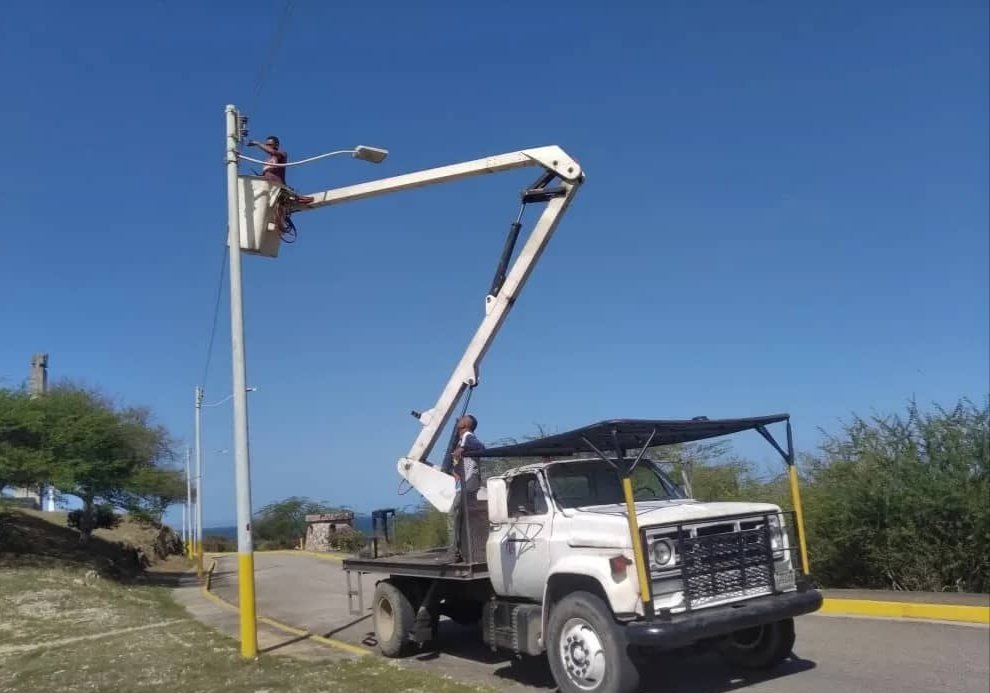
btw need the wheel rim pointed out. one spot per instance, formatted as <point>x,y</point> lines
<point>384,619</point>
<point>748,639</point>
<point>582,654</point>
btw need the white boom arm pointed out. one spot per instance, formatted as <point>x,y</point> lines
<point>551,158</point>
<point>436,486</point>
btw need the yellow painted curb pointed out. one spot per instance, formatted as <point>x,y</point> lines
<point>916,610</point>
<point>287,552</point>
<point>312,554</point>
<point>284,627</point>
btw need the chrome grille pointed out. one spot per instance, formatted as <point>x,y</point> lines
<point>718,567</point>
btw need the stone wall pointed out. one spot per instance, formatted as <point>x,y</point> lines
<point>325,536</point>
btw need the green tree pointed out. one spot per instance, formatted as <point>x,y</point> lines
<point>77,440</point>
<point>98,452</point>
<point>283,523</point>
<point>89,447</point>
<point>150,491</point>
<point>23,461</point>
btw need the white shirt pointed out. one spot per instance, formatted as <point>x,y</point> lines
<point>469,443</point>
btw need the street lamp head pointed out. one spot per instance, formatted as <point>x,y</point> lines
<point>370,154</point>
<point>250,389</point>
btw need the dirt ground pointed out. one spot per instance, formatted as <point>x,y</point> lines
<point>125,551</point>
<point>65,629</point>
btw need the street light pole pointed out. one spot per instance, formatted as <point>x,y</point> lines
<point>198,536</point>
<point>242,467</point>
<point>187,510</point>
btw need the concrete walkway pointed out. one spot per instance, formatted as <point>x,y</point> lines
<point>226,619</point>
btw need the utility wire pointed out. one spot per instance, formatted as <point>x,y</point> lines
<point>259,84</point>
<point>216,315</point>
<point>259,81</point>
<point>296,163</point>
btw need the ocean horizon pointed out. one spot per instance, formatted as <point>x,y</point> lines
<point>362,523</point>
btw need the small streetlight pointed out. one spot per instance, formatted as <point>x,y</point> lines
<point>373,155</point>
<point>227,398</point>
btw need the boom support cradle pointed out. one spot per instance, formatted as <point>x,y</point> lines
<point>435,485</point>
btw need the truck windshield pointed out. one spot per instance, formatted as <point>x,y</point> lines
<point>593,482</point>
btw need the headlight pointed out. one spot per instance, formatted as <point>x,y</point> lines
<point>776,534</point>
<point>663,552</point>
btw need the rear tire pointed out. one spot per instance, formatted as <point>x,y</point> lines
<point>393,617</point>
<point>587,652</point>
<point>762,647</point>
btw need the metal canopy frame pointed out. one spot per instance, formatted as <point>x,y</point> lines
<point>633,434</point>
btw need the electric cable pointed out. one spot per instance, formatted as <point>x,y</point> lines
<point>259,80</point>
<point>259,84</point>
<point>296,163</point>
<point>216,315</point>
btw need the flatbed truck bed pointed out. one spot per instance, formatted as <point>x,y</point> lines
<point>426,564</point>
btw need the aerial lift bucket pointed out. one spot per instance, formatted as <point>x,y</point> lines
<point>256,204</point>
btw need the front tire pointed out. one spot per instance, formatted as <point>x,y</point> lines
<point>586,651</point>
<point>762,647</point>
<point>393,617</point>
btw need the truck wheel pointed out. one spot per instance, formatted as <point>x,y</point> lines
<point>586,651</point>
<point>762,647</point>
<point>393,617</point>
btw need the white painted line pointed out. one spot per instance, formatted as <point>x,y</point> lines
<point>34,646</point>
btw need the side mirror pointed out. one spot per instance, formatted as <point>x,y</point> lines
<point>498,502</point>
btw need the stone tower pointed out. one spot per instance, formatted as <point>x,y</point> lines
<point>38,382</point>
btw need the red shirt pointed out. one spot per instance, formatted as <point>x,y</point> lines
<point>279,157</point>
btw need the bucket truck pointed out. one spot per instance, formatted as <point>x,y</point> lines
<point>590,554</point>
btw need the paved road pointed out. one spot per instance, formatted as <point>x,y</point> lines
<point>832,653</point>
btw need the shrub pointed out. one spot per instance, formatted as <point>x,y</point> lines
<point>103,518</point>
<point>219,544</point>
<point>350,541</point>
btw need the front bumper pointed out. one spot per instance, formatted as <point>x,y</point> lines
<point>679,630</point>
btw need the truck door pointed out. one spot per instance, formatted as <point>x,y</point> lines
<point>523,543</point>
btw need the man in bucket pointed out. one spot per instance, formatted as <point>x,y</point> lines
<point>274,172</point>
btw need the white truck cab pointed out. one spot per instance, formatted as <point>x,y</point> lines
<point>568,518</point>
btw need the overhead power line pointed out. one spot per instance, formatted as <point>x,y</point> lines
<point>259,83</point>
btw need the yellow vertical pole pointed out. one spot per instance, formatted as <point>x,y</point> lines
<point>796,500</point>
<point>637,545</point>
<point>245,592</point>
<point>799,515</point>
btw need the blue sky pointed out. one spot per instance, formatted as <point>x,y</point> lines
<point>786,209</point>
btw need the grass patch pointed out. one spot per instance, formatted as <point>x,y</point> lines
<point>40,605</point>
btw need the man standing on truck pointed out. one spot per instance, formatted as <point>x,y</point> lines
<point>468,475</point>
